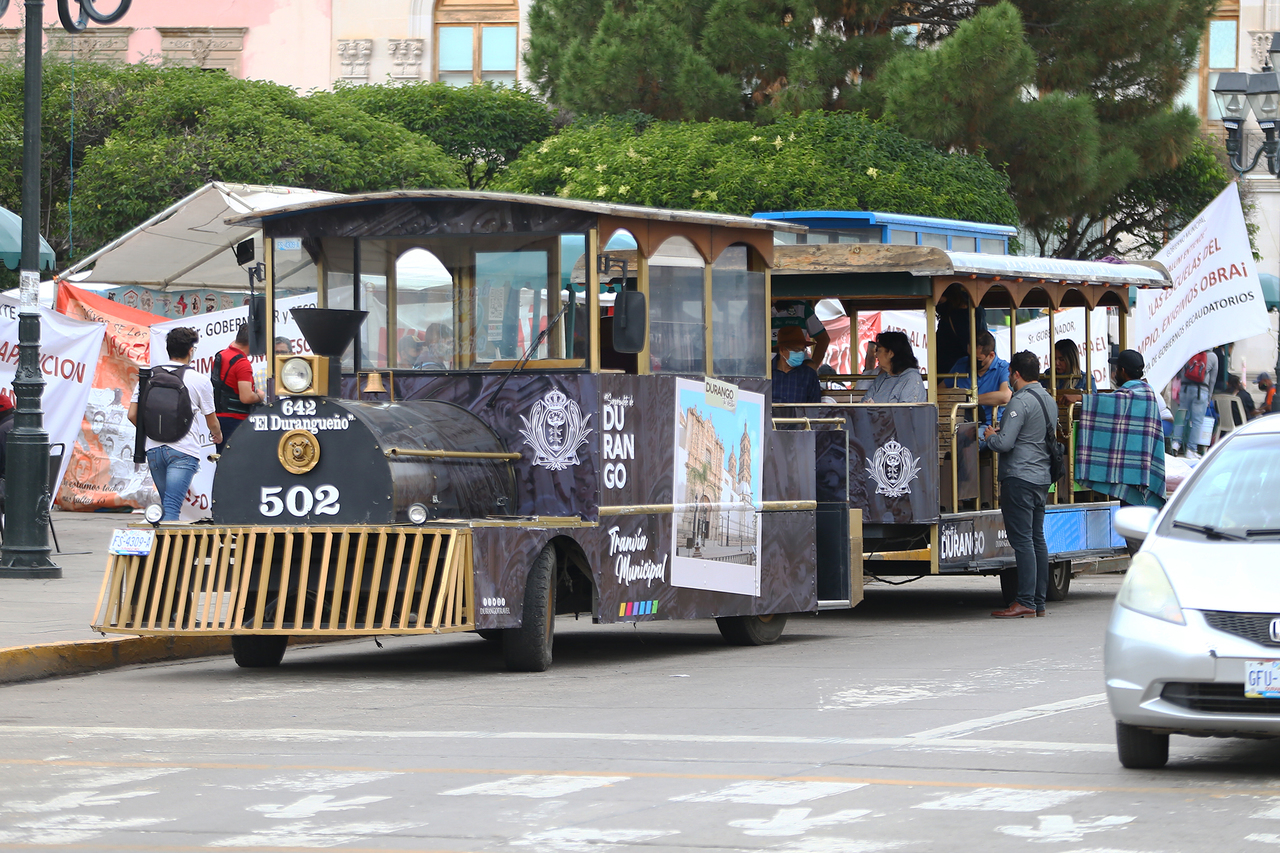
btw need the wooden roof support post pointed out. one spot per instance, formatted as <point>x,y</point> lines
<point>931,351</point>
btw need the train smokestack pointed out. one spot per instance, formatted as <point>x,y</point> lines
<point>329,331</point>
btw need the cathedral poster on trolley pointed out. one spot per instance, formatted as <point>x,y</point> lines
<point>718,454</point>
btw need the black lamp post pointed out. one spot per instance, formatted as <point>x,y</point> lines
<point>1238,93</point>
<point>27,500</point>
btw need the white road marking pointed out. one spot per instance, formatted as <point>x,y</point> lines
<point>874,695</point>
<point>74,800</point>
<point>579,840</point>
<point>305,834</point>
<point>779,792</point>
<point>97,777</point>
<point>917,741</point>
<point>795,822</point>
<point>71,829</point>
<point>1002,800</point>
<point>537,787</point>
<point>312,806</point>
<point>1272,813</point>
<point>823,844</point>
<point>314,782</point>
<point>1034,712</point>
<point>1063,828</point>
<point>1264,837</point>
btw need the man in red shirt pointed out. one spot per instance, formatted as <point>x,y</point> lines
<point>233,391</point>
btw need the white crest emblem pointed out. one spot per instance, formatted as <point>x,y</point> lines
<point>555,429</point>
<point>893,468</point>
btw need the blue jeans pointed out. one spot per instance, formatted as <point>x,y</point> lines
<point>1022,505</point>
<point>1195,399</point>
<point>172,473</point>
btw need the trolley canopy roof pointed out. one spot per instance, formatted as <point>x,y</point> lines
<point>837,219</point>
<point>892,276</point>
<point>417,213</point>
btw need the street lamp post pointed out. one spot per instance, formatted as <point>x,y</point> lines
<point>1239,93</point>
<point>27,500</point>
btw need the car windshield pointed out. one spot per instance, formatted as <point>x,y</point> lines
<point>1237,493</point>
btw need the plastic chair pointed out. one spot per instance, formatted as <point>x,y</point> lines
<point>1230,414</point>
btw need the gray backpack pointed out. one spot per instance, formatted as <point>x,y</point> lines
<point>166,405</point>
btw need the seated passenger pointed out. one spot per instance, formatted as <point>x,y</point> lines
<point>899,378</point>
<point>993,376</point>
<point>408,350</point>
<point>1066,361</point>
<point>793,380</point>
<point>437,352</point>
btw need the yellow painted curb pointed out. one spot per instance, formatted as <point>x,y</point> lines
<point>46,660</point>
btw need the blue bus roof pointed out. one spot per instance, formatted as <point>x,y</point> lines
<point>822,219</point>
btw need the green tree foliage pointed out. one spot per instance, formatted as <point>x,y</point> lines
<point>144,137</point>
<point>701,59</point>
<point>192,127</point>
<point>1074,98</point>
<point>1076,109</point>
<point>483,127</point>
<point>816,160</point>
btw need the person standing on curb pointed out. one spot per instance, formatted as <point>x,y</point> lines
<point>173,463</point>
<point>233,391</point>
<point>1198,376</point>
<point>1021,440</point>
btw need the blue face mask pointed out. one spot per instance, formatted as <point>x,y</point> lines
<point>795,359</point>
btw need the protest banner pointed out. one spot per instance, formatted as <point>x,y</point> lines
<point>217,331</point>
<point>1216,297</point>
<point>102,474</point>
<point>68,361</point>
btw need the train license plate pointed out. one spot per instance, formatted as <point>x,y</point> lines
<point>1262,679</point>
<point>132,543</point>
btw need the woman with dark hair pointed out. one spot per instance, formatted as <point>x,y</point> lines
<point>899,378</point>
<point>1066,357</point>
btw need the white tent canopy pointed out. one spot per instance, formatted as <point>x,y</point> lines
<point>189,245</point>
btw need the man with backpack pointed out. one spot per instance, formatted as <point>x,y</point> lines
<point>1198,376</point>
<point>168,407</point>
<point>233,391</point>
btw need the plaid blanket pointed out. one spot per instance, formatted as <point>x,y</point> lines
<point>1120,445</point>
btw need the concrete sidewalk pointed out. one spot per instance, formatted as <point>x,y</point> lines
<point>44,624</point>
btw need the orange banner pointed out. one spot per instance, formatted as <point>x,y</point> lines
<point>102,474</point>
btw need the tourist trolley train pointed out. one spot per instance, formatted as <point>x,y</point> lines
<point>574,417</point>
<point>928,495</point>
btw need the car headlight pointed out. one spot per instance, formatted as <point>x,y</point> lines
<point>1146,590</point>
<point>296,375</point>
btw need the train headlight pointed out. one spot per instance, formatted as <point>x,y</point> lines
<point>154,513</point>
<point>296,375</point>
<point>418,514</point>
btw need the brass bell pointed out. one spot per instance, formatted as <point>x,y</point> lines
<point>374,384</point>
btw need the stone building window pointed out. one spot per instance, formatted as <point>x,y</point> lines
<point>476,40</point>
<point>96,44</point>
<point>1218,50</point>
<point>213,48</point>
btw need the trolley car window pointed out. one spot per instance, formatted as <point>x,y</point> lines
<point>469,301</point>
<point>677,322</point>
<point>737,315</point>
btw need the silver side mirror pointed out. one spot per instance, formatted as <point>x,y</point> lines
<point>1135,522</point>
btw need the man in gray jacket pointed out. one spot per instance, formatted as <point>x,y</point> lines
<point>1024,481</point>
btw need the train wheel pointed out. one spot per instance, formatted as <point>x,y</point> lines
<point>1009,585</point>
<point>1059,580</point>
<point>528,648</point>
<point>751,630</point>
<point>256,652</point>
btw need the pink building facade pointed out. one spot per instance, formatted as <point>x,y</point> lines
<point>305,44</point>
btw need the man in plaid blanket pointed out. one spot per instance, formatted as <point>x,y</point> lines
<point>1120,445</point>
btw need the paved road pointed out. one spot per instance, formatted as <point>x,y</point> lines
<point>914,723</point>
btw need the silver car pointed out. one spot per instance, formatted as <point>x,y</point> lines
<point>1193,646</point>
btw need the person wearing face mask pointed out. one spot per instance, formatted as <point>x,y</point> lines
<point>793,380</point>
<point>899,378</point>
<point>993,376</point>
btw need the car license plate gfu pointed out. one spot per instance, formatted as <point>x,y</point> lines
<point>1262,679</point>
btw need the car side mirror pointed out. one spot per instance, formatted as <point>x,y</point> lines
<point>630,321</point>
<point>1135,522</point>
